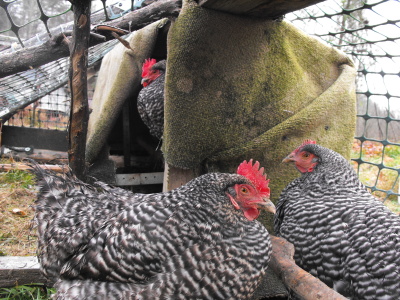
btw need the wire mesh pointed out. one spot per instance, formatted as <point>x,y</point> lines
<point>367,31</point>
<point>19,90</point>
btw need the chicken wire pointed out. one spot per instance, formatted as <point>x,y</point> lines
<point>16,30</point>
<point>368,31</point>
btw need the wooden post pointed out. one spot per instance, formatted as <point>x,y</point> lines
<point>176,177</point>
<point>79,114</point>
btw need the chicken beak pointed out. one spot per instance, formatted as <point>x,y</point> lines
<point>144,80</point>
<point>267,205</point>
<point>289,158</point>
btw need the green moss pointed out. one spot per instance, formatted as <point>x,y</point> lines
<point>240,88</point>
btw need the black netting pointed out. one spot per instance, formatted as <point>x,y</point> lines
<point>369,32</point>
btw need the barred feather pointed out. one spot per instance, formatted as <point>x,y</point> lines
<point>341,233</point>
<point>150,103</point>
<point>107,243</point>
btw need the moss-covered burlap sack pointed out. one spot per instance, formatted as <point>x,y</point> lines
<point>119,79</point>
<point>240,88</point>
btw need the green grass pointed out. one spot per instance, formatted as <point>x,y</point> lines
<point>26,292</point>
<point>16,178</point>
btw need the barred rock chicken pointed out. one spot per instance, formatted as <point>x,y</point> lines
<point>341,233</point>
<point>150,101</point>
<point>199,241</point>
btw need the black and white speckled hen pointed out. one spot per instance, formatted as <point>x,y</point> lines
<point>199,241</point>
<point>150,101</point>
<point>342,234</point>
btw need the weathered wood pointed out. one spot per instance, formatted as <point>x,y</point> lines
<point>18,270</point>
<point>176,177</point>
<point>40,155</point>
<point>57,46</point>
<point>306,286</point>
<point>270,9</point>
<point>149,14</point>
<point>28,58</point>
<point>139,179</point>
<point>79,117</point>
<point>55,168</point>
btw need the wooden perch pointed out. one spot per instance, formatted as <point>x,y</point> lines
<point>55,168</point>
<point>57,46</point>
<point>18,270</point>
<point>306,286</point>
<point>40,155</point>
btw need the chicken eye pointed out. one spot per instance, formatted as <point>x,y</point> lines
<point>306,155</point>
<point>244,190</point>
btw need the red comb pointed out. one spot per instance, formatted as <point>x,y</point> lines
<point>256,175</point>
<point>306,142</point>
<point>147,65</point>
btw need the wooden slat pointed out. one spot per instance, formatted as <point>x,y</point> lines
<point>176,177</point>
<point>18,270</point>
<point>55,168</point>
<point>139,178</point>
<point>270,9</point>
<point>39,155</point>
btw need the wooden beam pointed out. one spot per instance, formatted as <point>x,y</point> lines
<point>270,9</point>
<point>55,168</point>
<point>79,117</point>
<point>306,286</point>
<point>18,270</point>
<point>176,177</point>
<point>39,155</point>
<point>139,179</point>
<point>57,46</point>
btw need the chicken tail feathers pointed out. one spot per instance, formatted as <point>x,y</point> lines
<point>54,190</point>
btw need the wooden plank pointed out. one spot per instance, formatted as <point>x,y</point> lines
<point>176,177</point>
<point>22,166</point>
<point>18,270</point>
<point>269,9</point>
<point>139,178</point>
<point>39,155</point>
